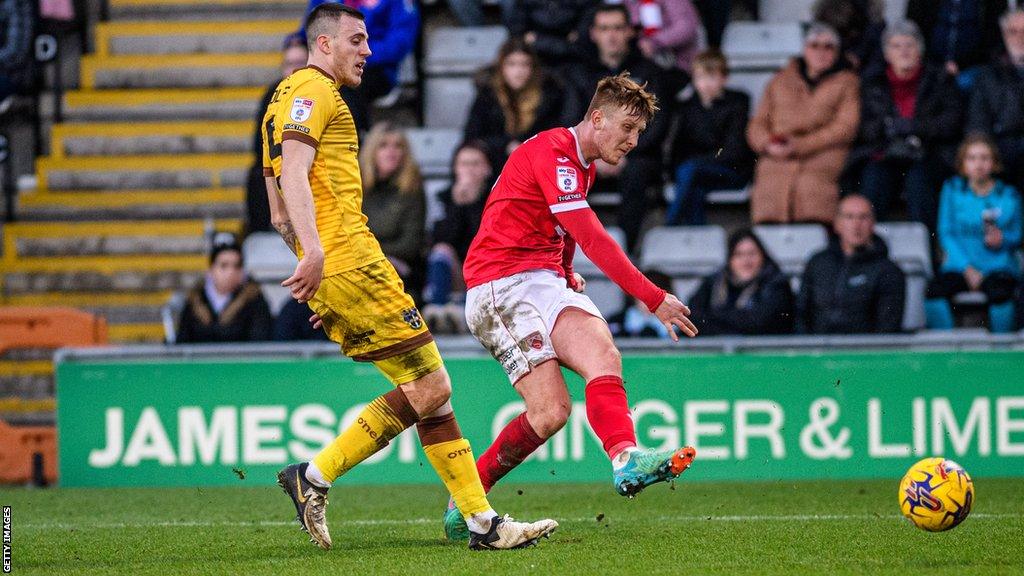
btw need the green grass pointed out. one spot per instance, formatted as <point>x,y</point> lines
<point>698,528</point>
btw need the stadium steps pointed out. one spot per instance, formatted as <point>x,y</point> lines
<point>152,156</point>
<point>207,9</point>
<point>182,171</point>
<point>236,103</point>
<point>184,37</point>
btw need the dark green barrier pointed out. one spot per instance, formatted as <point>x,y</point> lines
<point>750,417</point>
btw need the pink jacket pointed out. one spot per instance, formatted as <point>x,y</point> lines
<point>680,33</point>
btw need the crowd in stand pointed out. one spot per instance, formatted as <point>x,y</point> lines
<point>922,117</point>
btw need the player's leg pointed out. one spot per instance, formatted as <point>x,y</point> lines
<point>584,344</point>
<point>451,456</point>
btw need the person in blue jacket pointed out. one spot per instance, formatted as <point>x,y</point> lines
<point>393,26</point>
<point>979,230</point>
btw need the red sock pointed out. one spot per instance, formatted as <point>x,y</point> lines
<point>608,413</point>
<point>515,442</point>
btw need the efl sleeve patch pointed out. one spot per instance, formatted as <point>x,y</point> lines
<point>566,178</point>
<point>301,109</point>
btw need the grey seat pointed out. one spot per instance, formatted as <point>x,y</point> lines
<point>684,251</point>
<point>446,101</point>
<point>433,149</point>
<point>792,245</point>
<point>267,257</point>
<point>761,45</point>
<point>910,248</point>
<point>462,50</point>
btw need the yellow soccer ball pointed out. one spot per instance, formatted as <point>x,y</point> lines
<point>936,494</point>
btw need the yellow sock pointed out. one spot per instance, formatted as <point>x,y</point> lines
<point>454,463</point>
<point>383,419</point>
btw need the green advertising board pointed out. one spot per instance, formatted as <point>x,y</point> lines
<point>764,417</point>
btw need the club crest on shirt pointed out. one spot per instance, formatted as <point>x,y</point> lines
<point>566,177</point>
<point>301,109</point>
<point>562,159</point>
<point>412,318</point>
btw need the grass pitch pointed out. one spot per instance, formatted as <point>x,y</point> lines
<point>698,528</point>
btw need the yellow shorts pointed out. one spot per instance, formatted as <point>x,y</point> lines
<point>367,312</point>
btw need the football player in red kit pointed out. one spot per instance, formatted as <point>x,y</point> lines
<point>525,304</point>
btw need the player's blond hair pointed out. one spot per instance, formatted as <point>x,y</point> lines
<point>621,91</point>
<point>407,178</point>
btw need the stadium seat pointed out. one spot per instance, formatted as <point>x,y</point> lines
<point>432,188</point>
<point>267,257</point>
<point>760,46</point>
<point>433,149</point>
<point>684,251</point>
<point>785,10</point>
<point>462,51</point>
<point>792,245</point>
<point>446,102</point>
<point>49,327</point>
<point>910,248</point>
<point>20,446</point>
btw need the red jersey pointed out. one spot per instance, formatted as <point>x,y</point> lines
<point>536,213</point>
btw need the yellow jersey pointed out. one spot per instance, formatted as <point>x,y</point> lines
<point>307,107</point>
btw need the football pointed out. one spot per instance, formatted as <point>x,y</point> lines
<point>936,494</point>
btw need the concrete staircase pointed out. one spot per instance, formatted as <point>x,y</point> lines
<point>153,154</point>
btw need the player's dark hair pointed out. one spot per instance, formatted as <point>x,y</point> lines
<point>606,8</point>
<point>623,92</point>
<point>321,20</point>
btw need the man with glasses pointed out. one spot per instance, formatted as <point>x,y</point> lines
<point>851,287</point>
<point>997,102</point>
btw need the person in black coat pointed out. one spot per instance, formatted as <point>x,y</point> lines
<point>996,106</point>
<point>749,296</point>
<point>852,287</point>
<point>634,176</point>
<point>709,149</point>
<point>959,33</point>
<point>515,100</point>
<point>225,306</point>
<point>463,206</point>
<point>859,23</point>
<point>911,122</point>
<point>551,28</point>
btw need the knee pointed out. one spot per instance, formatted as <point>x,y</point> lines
<point>439,392</point>
<point>549,419</point>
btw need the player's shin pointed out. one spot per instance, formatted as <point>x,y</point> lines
<point>608,414</point>
<point>383,419</point>
<point>514,444</point>
<point>452,458</point>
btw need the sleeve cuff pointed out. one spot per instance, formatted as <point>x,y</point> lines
<point>304,138</point>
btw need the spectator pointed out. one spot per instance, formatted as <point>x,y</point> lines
<point>749,296</point>
<point>515,99</point>
<point>670,31</point>
<point>225,306</point>
<point>635,320</point>
<point>851,287</point>
<point>468,12</point>
<point>715,16</point>
<point>393,27</point>
<point>859,24</point>
<point>710,149</point>
<point>634,176</point>
<point>463,208</point>
<point>959,33</point>
<point>293,56</point>
<point>292,323</point>
<point>979,230</point>
<point>552,29</point>
<point>910,123</point>
<point>16,37</point>
<point>997,100</point>
<point>802,132</point>
<point>393,200</point>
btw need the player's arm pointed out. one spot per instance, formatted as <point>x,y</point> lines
<point>279,214</point>
<point>296,160</point>
<point>572,279</point>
